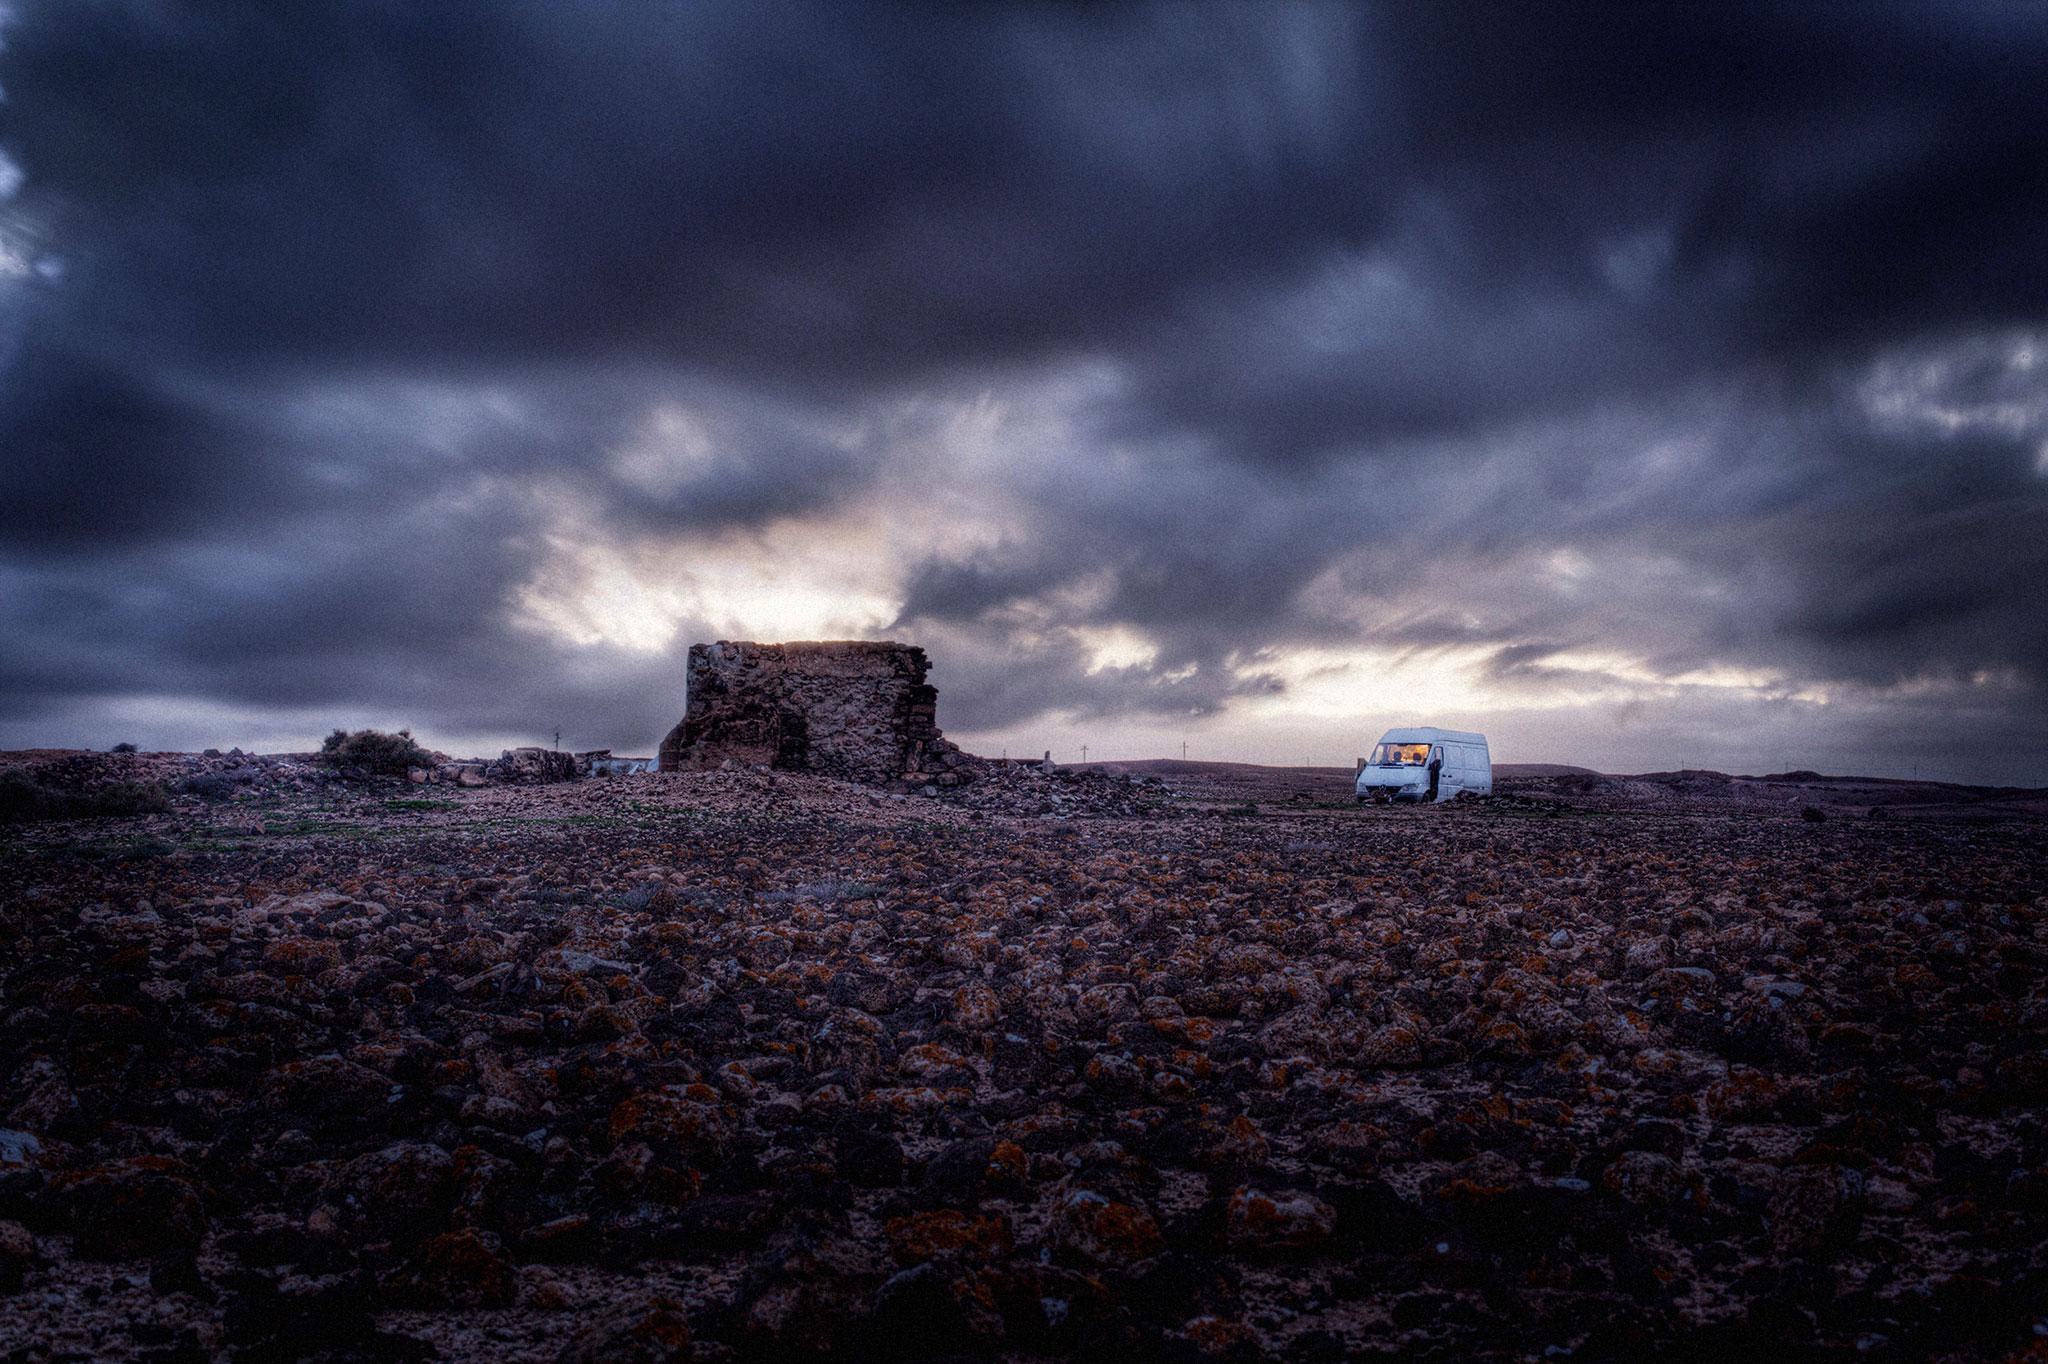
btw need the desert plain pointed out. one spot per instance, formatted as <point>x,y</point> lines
<point>1165,1061</point>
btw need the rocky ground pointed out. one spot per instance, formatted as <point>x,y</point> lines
<point>1181,1063</point>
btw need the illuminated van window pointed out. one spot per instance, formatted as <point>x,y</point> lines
<point>1400,755</point>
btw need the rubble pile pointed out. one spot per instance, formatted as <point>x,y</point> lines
<point>736,1064</point>
<point>536,766</point>
<point>211,775</point>
<point>1066,792</point>
<point>857,710</point>
<point>246,777</point>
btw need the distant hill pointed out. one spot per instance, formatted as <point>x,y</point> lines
<point>1168,767</point>
<point>1693,788</point>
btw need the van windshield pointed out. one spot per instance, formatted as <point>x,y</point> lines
<point>1400,755</point>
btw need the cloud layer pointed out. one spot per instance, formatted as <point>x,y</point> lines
<point>1648,386</point>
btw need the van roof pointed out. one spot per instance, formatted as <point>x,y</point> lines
<point>1429,734</point>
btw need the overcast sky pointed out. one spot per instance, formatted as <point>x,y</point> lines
<point>1660,385</point>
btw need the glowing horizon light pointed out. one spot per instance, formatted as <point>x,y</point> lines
<point>1116,646</point>
<point>774,586</point>
<point>1343,682</point>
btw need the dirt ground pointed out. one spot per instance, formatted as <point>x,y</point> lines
<point>1160,1061</point>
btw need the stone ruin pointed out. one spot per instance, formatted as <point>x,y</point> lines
<point>851,709</point>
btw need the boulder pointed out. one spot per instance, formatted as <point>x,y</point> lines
<point>19,1254</point>
<point>456,1269</point>
<point>144,1205</point>
<point>532,766</point>
<point>650,1332</point>
<point>1285,1220</point>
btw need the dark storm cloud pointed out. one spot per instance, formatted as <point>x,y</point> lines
<point>993,678</point>
<point>822,192</point>
<point>1596,206</point>
<point>98,456</point>
<point>409,619</point>
<point>1797,537</point>
<point>1695,336</point>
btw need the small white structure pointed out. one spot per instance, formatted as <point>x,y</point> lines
<point>1425,763</point>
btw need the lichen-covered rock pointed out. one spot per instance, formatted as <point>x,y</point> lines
<point>947,1232</point>
<point>462,1269</point>
<point>19,1254</point>
<point>654,1332</point>
<point>1650,1179</point>
<point>145,1205</point>
<point>404,1189</point>
<point>691,1126</point>
<point>1479,1182</point>
<point>935,1308</point>
<point>1103,1229</point>
<point>1815,1208</point>
<point>801,1311</point>
<point>1287,1220</point>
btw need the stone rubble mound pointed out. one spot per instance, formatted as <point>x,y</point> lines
<point>1065,792</point>
<point>534,766</point>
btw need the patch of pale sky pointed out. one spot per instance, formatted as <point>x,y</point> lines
<point>1116,646</point>
<point>1636,264</point>
<point>1969,385</point>
<point>444,418</point>
<point>672,448</point>
<point>786,581</point>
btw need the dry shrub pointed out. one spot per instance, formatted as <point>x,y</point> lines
<point>374,752</point>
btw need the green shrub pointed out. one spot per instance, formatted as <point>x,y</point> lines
<point>122,748</point>
<point>372,751</point>
<point>24,799</point>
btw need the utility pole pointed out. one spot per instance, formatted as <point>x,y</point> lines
<point>1084,753</point>
<point>558,739</point>
<point>1183,750</point>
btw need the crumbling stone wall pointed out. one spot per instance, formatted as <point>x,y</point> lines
<point>857,710</point>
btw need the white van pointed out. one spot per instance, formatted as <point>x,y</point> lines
<point>1425,763</point>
